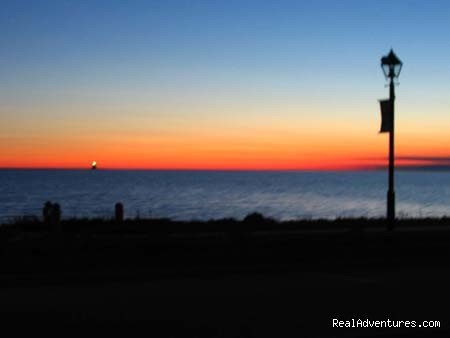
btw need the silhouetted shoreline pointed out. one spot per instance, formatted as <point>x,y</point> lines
<point>144,265</point>
<point>103,248</point>
<point>41,238</point>
<point>253,222</point>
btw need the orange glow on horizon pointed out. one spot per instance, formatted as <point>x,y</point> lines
<point>318,146</point>
<point>236,162</point>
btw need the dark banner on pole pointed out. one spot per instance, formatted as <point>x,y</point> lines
<point>386,116</point>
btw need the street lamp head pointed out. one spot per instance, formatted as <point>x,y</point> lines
<point>391,65</point>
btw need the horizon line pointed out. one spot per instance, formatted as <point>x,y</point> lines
<point>341,169</point>
<point>193,169</point>
<point>374,167</point>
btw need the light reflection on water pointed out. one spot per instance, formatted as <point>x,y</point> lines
<point>216,194</point>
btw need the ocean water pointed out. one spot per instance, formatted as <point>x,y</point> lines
<point>203,195</point>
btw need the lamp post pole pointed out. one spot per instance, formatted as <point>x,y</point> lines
<point>391,192</point>
<point>391,66</point>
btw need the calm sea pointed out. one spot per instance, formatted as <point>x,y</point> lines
<point>203,195</point>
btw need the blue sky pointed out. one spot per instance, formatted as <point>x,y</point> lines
<point>333,41</point>
<point>194,60</point>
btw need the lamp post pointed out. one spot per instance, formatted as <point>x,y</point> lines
<point>391,66</point>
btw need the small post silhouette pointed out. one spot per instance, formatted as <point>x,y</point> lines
<point>119,212</point>
<point>46,212</point>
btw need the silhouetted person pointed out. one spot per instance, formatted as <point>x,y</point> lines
<point>52,215</point>
<point>119,212</point>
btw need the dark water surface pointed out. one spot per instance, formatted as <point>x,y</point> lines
<point>204,195</point>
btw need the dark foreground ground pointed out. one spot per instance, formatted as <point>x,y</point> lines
<point>256,278</point>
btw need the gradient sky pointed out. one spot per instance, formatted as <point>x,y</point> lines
<point>220,84</point>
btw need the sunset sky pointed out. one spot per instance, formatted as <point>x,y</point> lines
<point>220,84</point>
